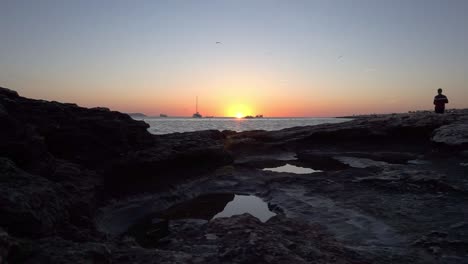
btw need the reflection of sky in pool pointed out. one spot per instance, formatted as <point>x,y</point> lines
<point>292,169</point>
<point>247,204</point>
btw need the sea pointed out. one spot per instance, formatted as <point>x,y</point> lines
<point>166,125</point>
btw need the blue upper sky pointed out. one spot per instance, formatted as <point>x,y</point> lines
<point>306,57</point>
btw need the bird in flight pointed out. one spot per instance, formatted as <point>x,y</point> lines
<point>218,42</point>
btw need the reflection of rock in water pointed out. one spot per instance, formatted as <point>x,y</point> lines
<point>150,229</point>
<point>202,207</point>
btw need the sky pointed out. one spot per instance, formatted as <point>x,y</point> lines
<point>309,58</point>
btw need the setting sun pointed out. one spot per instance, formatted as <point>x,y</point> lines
<point>239,111</point>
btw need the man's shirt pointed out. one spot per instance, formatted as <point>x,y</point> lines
<point>440,100</point>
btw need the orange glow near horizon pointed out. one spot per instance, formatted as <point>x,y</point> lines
<point>241,96</point>
<point>236,90</point>
<point>267,100</point>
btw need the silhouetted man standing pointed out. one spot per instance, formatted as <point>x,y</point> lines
<point>439,101</point>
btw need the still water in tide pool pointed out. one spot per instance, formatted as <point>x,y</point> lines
<point>292,169</point>
<point>171,125</point>
<point>247,204</point>
<point>215,205</point>
<point>149,229</point>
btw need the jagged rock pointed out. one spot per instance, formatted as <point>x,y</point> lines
<point>360,162</point>
<point>455,135</point>
<point>149,256</point>
<point>197,208</point>
<point>321,161</point>
<point>6,243</point>
<point>81,189</point>
<point>410,179</point>
<point>87,136</point>
<point>57,250</point>
<point>38,135</point>
<point>385,129</point>
<point>169,162</point>
<point>333,160</point>
<point>8,93</point>
<point>439,243</point>
<point>3,111</point>
<point>245,239</point>
<point>33,206</point>
<point>30,205</point>
<point>148,231</point>
<point>21,143</point>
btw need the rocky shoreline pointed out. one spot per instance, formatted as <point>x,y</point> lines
<point>75,181</point>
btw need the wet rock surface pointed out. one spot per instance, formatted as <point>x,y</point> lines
<point>84,185</point>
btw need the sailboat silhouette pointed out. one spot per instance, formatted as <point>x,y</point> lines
<point>196,115</point>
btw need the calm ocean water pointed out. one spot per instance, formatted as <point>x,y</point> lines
<point>170,125</point>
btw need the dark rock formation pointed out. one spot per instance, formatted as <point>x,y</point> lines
<point>60,162</point>
<point>66,131</point>
<point>176,156</point>
<point>6,243</point>
<point>202,207</point>
<point>454,135</point>
<point>414,130</point>
<point>244,239</point>
<point>137,115</point>
<point>30,205</point>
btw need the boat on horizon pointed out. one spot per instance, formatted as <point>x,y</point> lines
<point>257,116</point>
<point>197,114</point>
<point>162,115</point>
